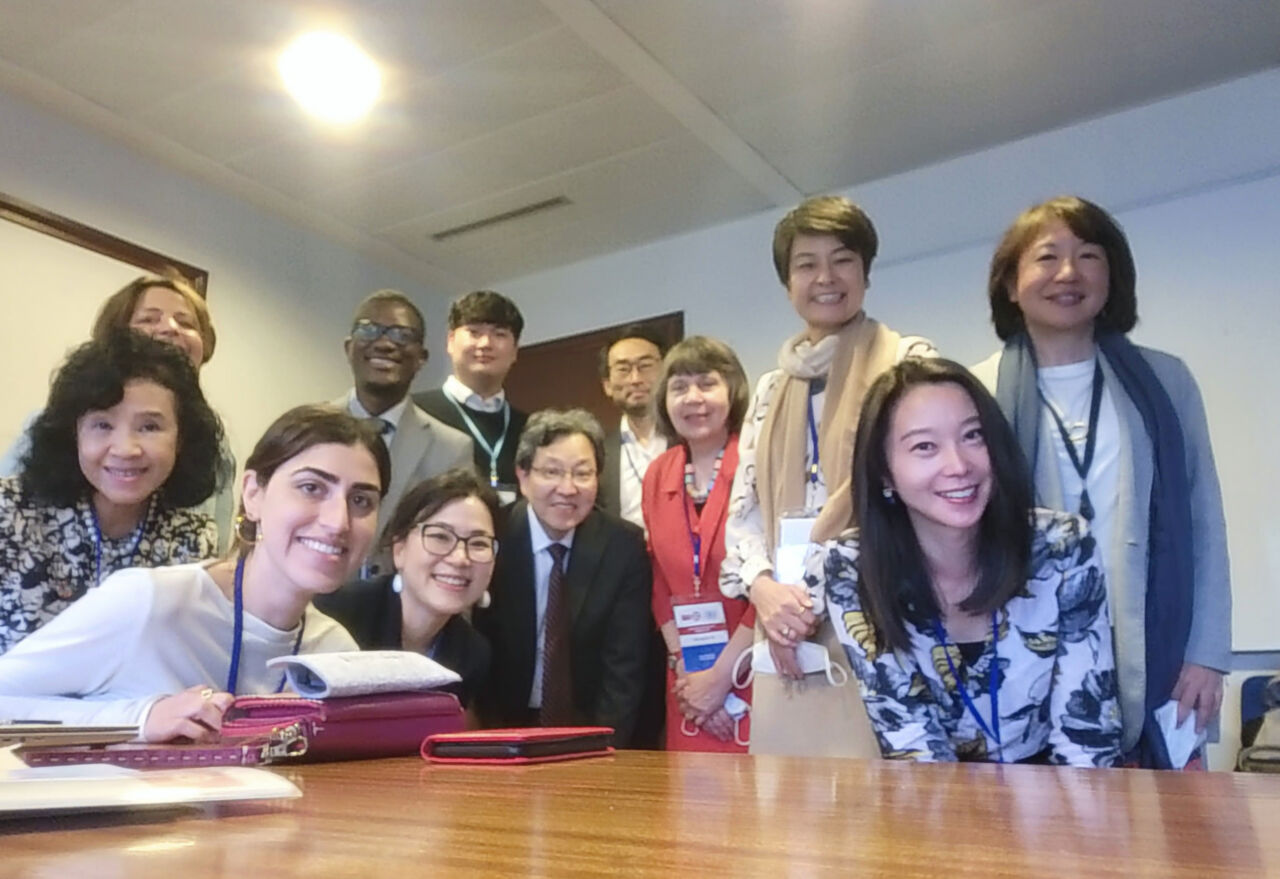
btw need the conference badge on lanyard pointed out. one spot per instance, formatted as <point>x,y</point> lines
<point>702,628</point>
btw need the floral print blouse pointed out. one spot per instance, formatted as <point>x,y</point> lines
<point>1056,681</point>
<point>48,556</point>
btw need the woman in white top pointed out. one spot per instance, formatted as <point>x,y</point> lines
<point>797,439</point>
<point>1118,434</point>
<point>169,648</point>
<point>795,450</point>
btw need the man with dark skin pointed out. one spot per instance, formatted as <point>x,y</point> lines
<point>385,350</point>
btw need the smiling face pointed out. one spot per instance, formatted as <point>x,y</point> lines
<point>316,517</point>
<point>827,283</point>
<point>445,584</point>
<point>633,365</point>
<point>127,452</point>
<point>482,354</point>
<point>383,366</point>
<point>561,484</point>
<point>698,406</point>
<point>166,315</point>
<point>1062,283</point>
<point>938,461</point>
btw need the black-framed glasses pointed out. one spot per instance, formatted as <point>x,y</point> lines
<point>368,331</point>
<point>441,539</point>
<point>619,370</point>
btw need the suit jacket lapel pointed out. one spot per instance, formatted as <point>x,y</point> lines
<point>588,548</point>
<point>408,445</point>
<point>718,501</point>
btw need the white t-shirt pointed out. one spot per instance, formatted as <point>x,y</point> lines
<point>1069,391</point>
<point>142,635</point>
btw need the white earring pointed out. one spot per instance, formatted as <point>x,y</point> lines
<point>888,494</point>
<point>484,601</point>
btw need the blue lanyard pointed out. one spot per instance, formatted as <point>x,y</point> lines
<point>233,675</point>
<point>695,537</point>
<point>813,442</point>
<point>992,731</point>
<point>493,451</point>
<point>97,540</point>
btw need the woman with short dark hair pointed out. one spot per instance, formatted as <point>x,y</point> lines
<point>442,543</point>
<point>977,627</point>
<point>125,446</point>
<point>1118,433</point>
<point>170,309</point>
<point>167,649</point>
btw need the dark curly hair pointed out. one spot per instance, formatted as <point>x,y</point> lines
<point>92,379</point>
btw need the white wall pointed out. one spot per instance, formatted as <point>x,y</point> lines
<point>281,297</point>
<point>1194,179</point>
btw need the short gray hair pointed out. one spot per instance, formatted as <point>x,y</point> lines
<point>548,425</point>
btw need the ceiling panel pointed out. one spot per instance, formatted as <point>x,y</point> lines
<point>653,117</point>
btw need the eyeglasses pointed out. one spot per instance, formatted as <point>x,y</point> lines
<point>440,540</point>
<point>580,478</point>
<point>367,331</point>
<point>644,366</point>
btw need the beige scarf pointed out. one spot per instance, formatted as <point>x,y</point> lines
<point>851,359</point>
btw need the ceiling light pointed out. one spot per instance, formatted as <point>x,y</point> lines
<point>330,76</point>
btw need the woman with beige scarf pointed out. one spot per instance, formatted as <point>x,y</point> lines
<point>795,454</point>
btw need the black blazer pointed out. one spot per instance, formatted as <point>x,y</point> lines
<point>370,611</point>
<point>609,497</point>
<point>607,585</point>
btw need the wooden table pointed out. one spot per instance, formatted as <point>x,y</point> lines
<point>687,815</point>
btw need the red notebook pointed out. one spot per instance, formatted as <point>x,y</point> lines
<point>518,746</point>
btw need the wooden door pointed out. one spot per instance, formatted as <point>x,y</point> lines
<point>565,372</point>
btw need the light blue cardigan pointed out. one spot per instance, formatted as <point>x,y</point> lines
<point>1209,643</point>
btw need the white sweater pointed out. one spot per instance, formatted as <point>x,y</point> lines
<point>142,635</point>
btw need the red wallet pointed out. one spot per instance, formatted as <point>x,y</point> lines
<point>287,729</point>
<point>508,746</point>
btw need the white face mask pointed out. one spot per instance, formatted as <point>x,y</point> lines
<point>812,657</point>
<point>737,709</point>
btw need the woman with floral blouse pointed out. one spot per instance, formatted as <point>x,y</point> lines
<point>978,627</point>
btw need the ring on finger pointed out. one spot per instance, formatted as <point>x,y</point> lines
<point>786,631</point>
<point>206,694</point>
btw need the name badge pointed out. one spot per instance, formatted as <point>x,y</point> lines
<point>702,630</point>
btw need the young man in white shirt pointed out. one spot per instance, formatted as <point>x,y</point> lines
<point>484,336</point>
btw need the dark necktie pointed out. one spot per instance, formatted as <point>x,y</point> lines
<point>381,426</point>
<point>557,683</point>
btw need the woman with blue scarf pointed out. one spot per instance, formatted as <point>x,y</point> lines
<point>1117,433</point>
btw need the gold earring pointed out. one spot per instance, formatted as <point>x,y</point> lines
<point>253,535</point>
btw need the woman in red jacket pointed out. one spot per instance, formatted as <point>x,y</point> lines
<point>701,400</point>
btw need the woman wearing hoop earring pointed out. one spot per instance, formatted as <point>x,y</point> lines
<point>169,648</point>
<point>441,537</point>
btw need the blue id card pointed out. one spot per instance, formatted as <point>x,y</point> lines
<point>702,630</point>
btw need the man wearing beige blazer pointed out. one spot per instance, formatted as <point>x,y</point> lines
<point>386,349</point>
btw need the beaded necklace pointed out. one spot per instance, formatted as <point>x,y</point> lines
<point>700,497</point>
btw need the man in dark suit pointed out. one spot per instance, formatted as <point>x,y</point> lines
<point>385,350</point>
<point>569,620</point>
<point>629,366</point>
<point>484,334</point>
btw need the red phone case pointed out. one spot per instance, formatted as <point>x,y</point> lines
<point>496,747</point>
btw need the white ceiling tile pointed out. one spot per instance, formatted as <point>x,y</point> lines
<point>30,27</point>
